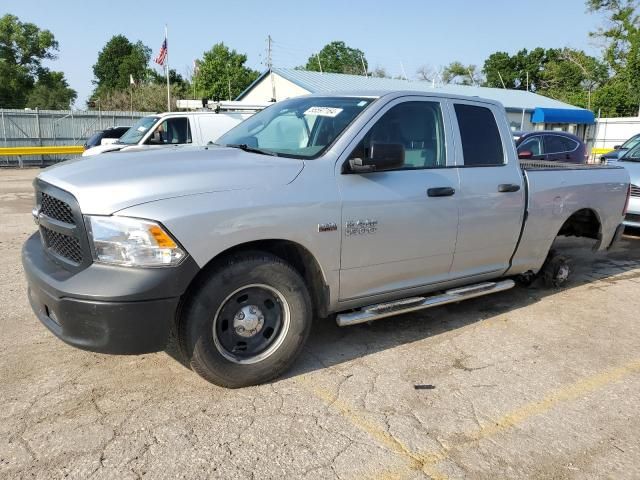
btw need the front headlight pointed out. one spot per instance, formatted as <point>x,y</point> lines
<point>132,242</point>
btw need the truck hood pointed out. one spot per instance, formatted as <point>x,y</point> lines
<point>633,168</point>
<point>110,182</point>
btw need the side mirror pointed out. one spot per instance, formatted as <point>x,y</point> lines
<point>617,147</point>
<point>525,155</point>
<point>382,156</point>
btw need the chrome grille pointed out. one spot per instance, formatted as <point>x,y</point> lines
<point>64,245</point>
<point>56,209</point>
<point>635,191</point>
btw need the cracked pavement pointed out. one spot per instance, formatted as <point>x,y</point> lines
<point>529,383</point>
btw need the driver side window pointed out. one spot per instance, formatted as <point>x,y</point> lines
<point>416,126</point>
<point>173,131</point>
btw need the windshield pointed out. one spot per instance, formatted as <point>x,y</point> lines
<point>135,133</point>
<point>632,155</point>
<point>632,142</point>
<point>299,128</point>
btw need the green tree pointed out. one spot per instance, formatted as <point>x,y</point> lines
<point>460,74</point>
<point>571,76</point>
<point>117,61</point>
<point>621,39</point>
<point>223,73</point>
<point>337,57</point>
<point>23,47</point>
<point>51,92</point>
<point>522,71</point>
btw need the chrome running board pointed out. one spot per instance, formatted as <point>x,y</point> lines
<point>383,310</point>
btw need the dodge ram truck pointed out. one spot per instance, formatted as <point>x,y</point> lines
<point>351,206</point>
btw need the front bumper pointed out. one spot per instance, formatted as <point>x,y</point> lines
<point>105,308</point>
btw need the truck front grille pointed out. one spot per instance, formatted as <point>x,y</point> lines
<point>56,209</point>
<point>61,227</point>
<point>64,245</point>
<point>635,190</point>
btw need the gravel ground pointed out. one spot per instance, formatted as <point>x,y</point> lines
<point>529,383</point>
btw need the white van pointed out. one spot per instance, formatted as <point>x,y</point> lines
<point>175,128</point>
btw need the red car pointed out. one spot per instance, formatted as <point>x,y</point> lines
<point>552,146</point>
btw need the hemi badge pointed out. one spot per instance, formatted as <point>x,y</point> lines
<point>327,227</point>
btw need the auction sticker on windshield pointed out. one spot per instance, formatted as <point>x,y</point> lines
<point>323,111</point>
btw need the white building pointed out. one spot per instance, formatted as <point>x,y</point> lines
<point>526,110</point>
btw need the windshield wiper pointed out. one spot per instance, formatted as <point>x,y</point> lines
<point>248,148</point>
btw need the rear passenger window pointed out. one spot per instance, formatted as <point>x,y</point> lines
<point>418,127</point>
<point>558,144</point>
<point>481,141</point>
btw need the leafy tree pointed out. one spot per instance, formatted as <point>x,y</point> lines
<point>117,61</point>
<point>621,53</point>
<point>460,74</point>
<point>146,97</point>
<point>572,76</point>
<point>379,72</point>
<point>51,92</point>
<point>337,57</point>
<point>223,73</point>
<point>23,47</point>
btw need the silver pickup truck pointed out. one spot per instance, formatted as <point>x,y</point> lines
<point>352,206</point>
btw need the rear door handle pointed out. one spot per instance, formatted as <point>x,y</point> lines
<point>441,191</point>
<point>508,187</point>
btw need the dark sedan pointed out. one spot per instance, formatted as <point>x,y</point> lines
<point>619,150</point>
<point>551,146</point>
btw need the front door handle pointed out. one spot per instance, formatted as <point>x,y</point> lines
<point>508,187</point>
<point>441,192</point>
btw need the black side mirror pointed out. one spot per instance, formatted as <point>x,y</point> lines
<point>382,156</point>
<point>617,147</point>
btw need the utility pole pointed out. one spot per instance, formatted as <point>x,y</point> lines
<point>319,64</point>
<point>501,80</point>
<point>270,67</point>
<point>403,72</point>
<point>364,68</point>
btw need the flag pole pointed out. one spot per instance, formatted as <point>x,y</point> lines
<point>166,33</point>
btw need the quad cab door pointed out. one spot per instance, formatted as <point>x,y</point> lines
<point>491,198</point>
<point>399,226</point>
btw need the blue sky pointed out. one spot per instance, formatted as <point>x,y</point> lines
<point>392,33</point>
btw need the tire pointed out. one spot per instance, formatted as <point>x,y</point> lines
<point>246,321</point>
<point>556,271</point>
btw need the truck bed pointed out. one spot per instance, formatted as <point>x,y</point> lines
<point>529,165</point>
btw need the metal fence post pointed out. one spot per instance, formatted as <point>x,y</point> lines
<point>4,132</point>
<point>39,133</point>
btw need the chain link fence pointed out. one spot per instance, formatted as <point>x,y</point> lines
<point>28,128</point>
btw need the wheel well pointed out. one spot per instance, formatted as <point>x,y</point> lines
<point>293,253</point>
<point>583,223</point>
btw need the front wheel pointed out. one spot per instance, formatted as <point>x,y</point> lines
<point>247,321</point>
<point>556,270</point>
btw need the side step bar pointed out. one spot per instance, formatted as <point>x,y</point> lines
<point>383,310</point>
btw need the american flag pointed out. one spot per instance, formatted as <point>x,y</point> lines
<point>162,55</point>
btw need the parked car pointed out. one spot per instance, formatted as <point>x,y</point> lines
<point>175,128</point>
<point>631,162</point>
<point>104,137</point>
<point>363,206</point>
<point>619,150</point>
<point>552,146</point>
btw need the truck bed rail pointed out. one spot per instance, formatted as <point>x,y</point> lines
<point>528,165</point>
